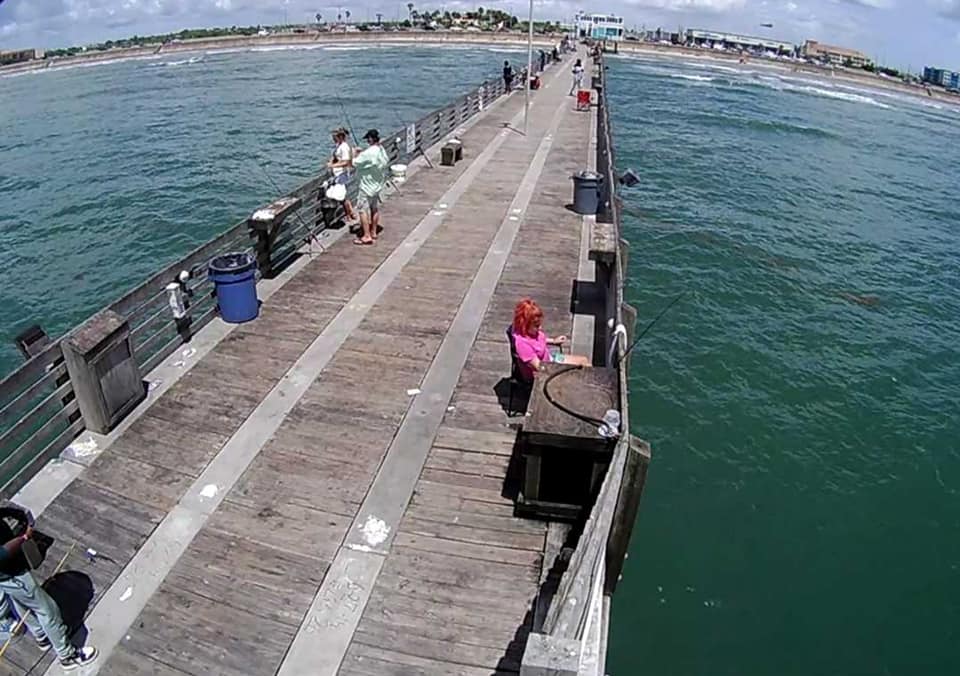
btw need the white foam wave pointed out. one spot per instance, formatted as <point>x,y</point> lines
<point>343,49</point>
<point>694,78</point>
<point>184,62</point>
<point>502,50</point>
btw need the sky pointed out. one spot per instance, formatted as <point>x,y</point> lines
<point>899,33</point>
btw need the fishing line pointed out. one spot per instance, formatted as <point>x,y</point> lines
<point>650,326</point>
<point>311,235</point>
<point>581,416</point>
<point>346,118</point>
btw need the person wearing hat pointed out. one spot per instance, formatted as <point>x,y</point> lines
<point>340,164</point>
<point>371,166</point>
<point>32,603</point>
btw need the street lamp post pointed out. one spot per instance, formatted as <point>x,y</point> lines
<point>526,88</point>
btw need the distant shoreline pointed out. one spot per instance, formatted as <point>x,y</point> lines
<point>847,75</point>
<point>232,42</point>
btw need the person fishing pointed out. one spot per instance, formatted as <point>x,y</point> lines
<point>507,76</point>
<point>34,605</point>
<point>371,165</point>
<point>340,164</point>
<point>543,60</point>
<point>577,77</point>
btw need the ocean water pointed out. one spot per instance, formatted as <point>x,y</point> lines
<point>109,171</point>
<point>802,511</point>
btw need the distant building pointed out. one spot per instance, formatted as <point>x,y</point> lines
<point>941,77</point>
<point>838,56</point>
<point>19,56</point>
<point>599,26</point>
<point>716,40</point>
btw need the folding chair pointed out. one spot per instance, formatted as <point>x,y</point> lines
<point>517,379</point>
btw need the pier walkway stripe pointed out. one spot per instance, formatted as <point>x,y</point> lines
<point>327,630</point>
<point>120,605</point>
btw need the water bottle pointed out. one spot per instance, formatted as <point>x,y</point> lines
<point>611,424</point>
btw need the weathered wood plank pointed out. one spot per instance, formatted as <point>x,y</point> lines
<point>139,481</point>
<point>199,636</point>
<point>284,525</point>
<point>473,534</point>
<point>276,584</point>
<point>518,557</point>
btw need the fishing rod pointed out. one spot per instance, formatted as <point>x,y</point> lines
<point>581,416</point>
<point>311,235</point>
<point>346,118</point>
<point>649,326</point>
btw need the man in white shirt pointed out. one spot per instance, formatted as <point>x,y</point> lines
<point>371,165</point>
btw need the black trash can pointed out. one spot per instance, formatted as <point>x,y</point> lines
<point>586,192</point>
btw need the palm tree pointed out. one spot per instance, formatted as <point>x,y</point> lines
<point>347,13</point>
<point>410,9</point>
<point>319,17</point>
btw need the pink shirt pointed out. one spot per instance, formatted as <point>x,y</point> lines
<point>528,348</point>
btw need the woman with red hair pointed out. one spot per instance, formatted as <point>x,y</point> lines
<point>531,343</point>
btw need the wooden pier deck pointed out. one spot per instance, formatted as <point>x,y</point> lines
<point>290,505</point>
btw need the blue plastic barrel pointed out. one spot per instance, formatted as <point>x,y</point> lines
<point>234,276</point>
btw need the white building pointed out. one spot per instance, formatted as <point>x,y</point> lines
<point>599,26</point>
<point>733,41</point>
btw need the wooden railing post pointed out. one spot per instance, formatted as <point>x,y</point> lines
<point>265,224</point>
<point>625,513</point>
<point>550,656</point>
<point>103,371</point>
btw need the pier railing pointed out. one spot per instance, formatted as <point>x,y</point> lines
<point>39,412</point>
<point>572,639</point>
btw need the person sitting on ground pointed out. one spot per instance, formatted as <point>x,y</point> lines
<point>340,164</point>
<point>371,165</point>
<point>531,343</point>
<point>17,585</point>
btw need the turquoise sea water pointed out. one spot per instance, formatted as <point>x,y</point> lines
<point>108,171</point>
<point>801,514</point>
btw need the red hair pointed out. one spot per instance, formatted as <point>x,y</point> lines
<point>524,315</point>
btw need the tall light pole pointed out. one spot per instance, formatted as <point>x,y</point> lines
<point>526,88</point>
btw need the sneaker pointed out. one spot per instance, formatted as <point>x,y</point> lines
<point>43,643</point>
<point>9,628</point>
<point>81,658</point>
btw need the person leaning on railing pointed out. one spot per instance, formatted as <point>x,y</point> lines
<point>39,612</point>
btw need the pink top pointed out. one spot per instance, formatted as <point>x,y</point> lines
<point>528,348</point>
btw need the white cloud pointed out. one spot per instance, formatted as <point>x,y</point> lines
<point>791,7</point>
<point>871,4</point>
<point>947,8</point>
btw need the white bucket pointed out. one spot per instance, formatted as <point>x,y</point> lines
<point>398,172</point>
<point>337,192</point>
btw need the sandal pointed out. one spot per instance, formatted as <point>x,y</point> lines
<point>362,242</point>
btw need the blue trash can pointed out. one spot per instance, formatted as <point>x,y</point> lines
<point>586,192</point>
<point>234,276</point>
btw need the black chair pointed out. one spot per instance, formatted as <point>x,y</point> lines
<point>517,379</point>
